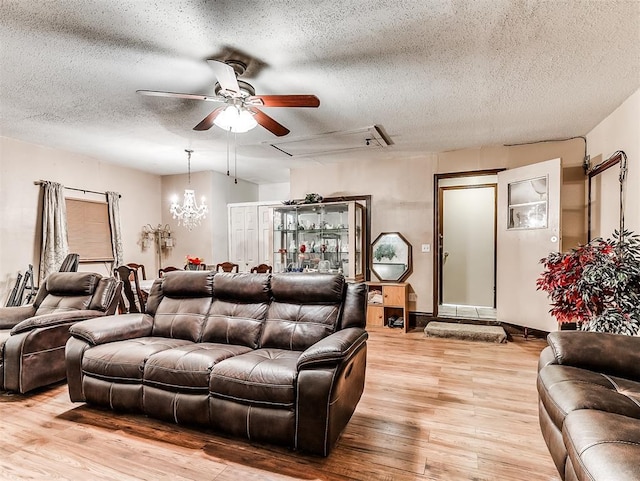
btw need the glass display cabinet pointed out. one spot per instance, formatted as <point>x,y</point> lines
<point>324,237</point>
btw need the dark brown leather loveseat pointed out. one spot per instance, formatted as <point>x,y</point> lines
<point>33,337</point>
<point>276,358</point>
<point>589,391</point>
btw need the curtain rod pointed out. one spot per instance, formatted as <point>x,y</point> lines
<point>40,182</point>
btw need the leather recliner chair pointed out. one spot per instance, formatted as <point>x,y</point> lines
<point>33,337</point>
<point>589,401</point>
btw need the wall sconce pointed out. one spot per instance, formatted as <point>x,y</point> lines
<point>160,236</point>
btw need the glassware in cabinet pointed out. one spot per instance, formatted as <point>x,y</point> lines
<point>320,238</point>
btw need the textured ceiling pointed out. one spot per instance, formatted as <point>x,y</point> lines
<point>437,75</point>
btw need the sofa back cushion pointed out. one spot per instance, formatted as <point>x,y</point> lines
<point>184,305</point>
<point>104,295</point>
<point>68,291</point>
<point>239,308</point>
<point>305,308</point>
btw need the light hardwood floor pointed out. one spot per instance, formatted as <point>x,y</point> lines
<point>432,409</point>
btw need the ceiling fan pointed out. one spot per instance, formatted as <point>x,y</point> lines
<point>240,100</point>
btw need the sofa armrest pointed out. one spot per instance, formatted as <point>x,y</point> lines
<point>113,328</point>
<point>10,316</point>
<point>613,354</point>
<point>54,319</point>
<point>334,348</point>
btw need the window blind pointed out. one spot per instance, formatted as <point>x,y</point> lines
<point>89,230</point>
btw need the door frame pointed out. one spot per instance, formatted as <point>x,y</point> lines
<point>437,228</point>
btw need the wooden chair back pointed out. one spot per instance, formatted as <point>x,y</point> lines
<point>227,267</point>
<point>262,269</point>
<point>139,268</point>
<point>70,263</point>
<point>162,271</point>
<point>136,299</point>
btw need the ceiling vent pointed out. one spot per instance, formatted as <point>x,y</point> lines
<point>373,137</point>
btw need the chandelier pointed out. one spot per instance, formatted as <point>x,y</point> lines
<point>189,214</point>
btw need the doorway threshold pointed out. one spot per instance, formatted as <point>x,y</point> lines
<point>467,312</point>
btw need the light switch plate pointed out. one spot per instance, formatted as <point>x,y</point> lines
<point>426,247</point>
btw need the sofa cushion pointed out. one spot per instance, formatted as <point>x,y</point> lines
<point>72,283</point>
<point>187,368</point>
<point>184,304</point>
<point>264,377</point>
<point>235,323</point>
<point>238,310</point>
<point>180,284</point>
<point>305,308</point>
<point>123,361</point>
<point>564,389</point>
<point>103,295</point>
<point>244,287</point>
<point>68,291</point>
<point>181,317</point>
<point>602,446</point>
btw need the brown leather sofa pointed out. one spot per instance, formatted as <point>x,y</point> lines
<point>33,337</point>
<point>274,358</point>
<point>589,401</point>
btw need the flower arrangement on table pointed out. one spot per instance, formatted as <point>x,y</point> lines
<point>596,285</point>
<point>194,262</point>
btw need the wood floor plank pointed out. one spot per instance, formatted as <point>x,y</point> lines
<point>432,409</point>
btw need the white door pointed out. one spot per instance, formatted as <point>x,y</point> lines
<point>528,230</point>
<point>265,240</point>
<point>468,244</point>
<point>243,239</point>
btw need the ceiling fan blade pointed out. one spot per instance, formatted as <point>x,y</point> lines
<point>268,123</point>
<point>286,100</point>
<point>154,93</point>
<point>207,122</point>
<point>226,75</point>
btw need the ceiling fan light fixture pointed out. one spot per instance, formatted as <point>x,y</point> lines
<point>234,119</point>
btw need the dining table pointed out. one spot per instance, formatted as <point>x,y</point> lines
<point>146,284</point>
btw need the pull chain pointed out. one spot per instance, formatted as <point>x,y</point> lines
<point>228,132</point>
<point>235,161</point>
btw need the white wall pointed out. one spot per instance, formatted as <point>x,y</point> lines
<point>23,163</point>
<point>402,201</point>
<point>619,131</point>
<point>402,193</point>
<point>273,192</point>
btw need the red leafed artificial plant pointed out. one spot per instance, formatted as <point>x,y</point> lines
<point>596,285</point>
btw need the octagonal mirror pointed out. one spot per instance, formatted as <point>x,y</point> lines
<point>391,257</point>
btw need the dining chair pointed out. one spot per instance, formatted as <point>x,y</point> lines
<point>162,271</point>
<point>227,267</point>
<point>262,269</point>
<point>130,282</point>
<point>70,263</point>
<point>139,268</point>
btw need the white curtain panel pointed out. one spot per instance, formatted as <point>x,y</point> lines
<point>113,201</point>
<point>55,246</point>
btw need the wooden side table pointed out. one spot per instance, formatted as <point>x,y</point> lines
<point>385,300</point>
